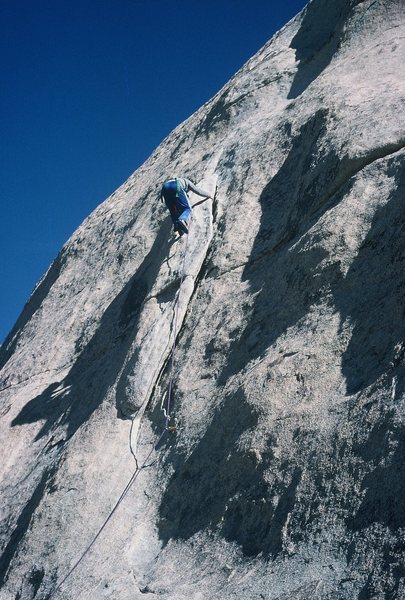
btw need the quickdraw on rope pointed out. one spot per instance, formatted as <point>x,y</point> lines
<point>168,427</point>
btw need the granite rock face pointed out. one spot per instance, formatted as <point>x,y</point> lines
<point>285,478</point>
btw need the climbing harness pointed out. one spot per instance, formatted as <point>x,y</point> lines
<point>169,426</point>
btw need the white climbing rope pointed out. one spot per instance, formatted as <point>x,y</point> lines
<point>110,515</point>
<point>167,399</point>
<point>138,468</point>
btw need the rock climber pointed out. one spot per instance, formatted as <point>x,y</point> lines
<point>174,194</point>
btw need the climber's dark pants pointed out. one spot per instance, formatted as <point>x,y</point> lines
<point>177,203</point>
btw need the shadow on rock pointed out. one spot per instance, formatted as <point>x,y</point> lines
<point>382,503</point>
<point>23,524</point>
<point>384,498</point>
<point>371,297</point>
<point>318,39</point>
<point>222,488</point>
<point>288,282</point>
<point>72,401</point>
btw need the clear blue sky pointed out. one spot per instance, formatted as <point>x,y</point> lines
<point>88,89</point>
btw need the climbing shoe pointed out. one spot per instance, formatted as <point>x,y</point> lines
<point>182,227</point>
<point>176,230</point>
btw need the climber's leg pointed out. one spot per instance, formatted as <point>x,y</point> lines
<point>172,207</point>
<point>169,192</point>
<point>183,206</point>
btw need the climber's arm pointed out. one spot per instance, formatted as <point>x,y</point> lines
<point>191,186</point>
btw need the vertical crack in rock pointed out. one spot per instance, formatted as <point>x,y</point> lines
<point>166,303</point>
<point>285,479</point>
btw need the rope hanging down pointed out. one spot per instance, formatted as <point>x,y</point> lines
<point>168,398</point>
<point>144,464</point>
